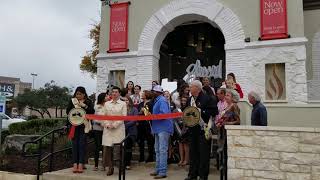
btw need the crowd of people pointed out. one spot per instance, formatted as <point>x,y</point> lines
<point>165,138</point>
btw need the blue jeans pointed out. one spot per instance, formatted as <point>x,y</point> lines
<point>161,149</point>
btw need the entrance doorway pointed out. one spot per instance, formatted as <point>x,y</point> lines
<point>188,43</point>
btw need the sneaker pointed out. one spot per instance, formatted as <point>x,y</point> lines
<point>153,174</point>
<point>160,177</point>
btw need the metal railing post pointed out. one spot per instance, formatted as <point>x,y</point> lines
<point>51,153</point>
<point>39,160</point>
<point>120,163</point>
<point>123,161</point>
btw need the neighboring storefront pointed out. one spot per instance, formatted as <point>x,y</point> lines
<point>169,38</point>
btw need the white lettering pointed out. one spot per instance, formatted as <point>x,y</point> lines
<point>271,8</point>
<point>119,26</point>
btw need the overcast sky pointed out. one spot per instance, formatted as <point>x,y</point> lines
<point>47,37</point>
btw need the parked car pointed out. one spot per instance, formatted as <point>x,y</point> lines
<point>6,120</point>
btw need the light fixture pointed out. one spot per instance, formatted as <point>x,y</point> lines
<point>191,40</point>
<point>208,45</point>
<point>201,36</point>
<point>199,47</point>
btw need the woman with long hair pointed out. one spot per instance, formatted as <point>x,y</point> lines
<point>144,127</point>
<point>167,95</point>
<point>237,86</point>
<point>79,100</point>
<point>136,97</point>
<point>131,130</point>
<point>184,138</point>
<point>130,88</point>
<point>97,128</point>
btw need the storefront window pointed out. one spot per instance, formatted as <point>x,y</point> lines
<point>197,44</point>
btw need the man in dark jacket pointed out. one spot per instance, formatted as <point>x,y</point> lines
<point>259,111</point>
<point>199,145</point>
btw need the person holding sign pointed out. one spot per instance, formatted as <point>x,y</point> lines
<point>78,133</point>
<point>199,145</point>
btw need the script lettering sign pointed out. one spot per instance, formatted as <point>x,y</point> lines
<point>196,70</point>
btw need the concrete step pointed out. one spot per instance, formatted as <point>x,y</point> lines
<point>138,172</point>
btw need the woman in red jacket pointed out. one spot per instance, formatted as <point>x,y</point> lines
<point>237,86</point>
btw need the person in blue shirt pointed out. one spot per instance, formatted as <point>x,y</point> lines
<point>259,111</point>
<point>162,129</point>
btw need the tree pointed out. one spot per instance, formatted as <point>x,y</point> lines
<point>89,61</point>
<point>58,96</point>
<point>40,100</point>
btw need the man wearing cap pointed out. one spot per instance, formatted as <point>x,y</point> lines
<point>162,129</point>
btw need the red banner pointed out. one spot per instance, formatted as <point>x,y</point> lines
<point>273,19</point>
<point>118,36</point>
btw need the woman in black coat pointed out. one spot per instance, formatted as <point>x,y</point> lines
<point>80,100</point>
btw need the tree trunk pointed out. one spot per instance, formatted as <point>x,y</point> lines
<point>56,112</point>
<point>37,110</point>
<point>47,112</point>
<point>61,112</point>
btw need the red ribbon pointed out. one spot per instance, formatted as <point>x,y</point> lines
<point>133,118</point>
<point>72,131</point>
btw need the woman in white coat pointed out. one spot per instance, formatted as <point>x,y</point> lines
<point>113,131</point>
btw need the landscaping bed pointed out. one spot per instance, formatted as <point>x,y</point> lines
<point>13,161</point>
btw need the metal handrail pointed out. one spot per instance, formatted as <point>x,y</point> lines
<point>39,153</point>
<point>52,153</point>
<point>222,152</point>
<point>122,166</point>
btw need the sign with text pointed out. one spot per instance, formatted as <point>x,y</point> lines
<point>118,35</point>
<point>7,90</point>
<point>196,70</point>
<point>273,19</point>
<point>2,104</point>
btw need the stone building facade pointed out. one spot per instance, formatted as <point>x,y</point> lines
<point>150,23</point>
<point>273,153</point>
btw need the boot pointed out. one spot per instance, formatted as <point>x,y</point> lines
<point>110,171</point>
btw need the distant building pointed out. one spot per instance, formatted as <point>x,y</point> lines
<point>13,86</point>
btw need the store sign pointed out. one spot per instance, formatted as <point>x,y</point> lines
<point>118,36</point>
<point>273,19</point>
<point>7,90</point>
<point>2,104</point>
<point>196,70</point>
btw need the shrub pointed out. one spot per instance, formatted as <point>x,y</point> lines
<point>37,126</point>
<point>32,117</point>
<point>4,134</point>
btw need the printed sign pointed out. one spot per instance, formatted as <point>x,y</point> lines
<point>118,35</point>
<point>273,19</point>
<point>7,90</point>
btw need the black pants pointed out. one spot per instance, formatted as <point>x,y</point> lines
<point>98,145</point>
<point>144,133</point>
<point>199,154</point>
<point>128,149</point>
<point>79,145</point>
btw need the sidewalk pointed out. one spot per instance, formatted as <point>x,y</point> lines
<point>138,172</point>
